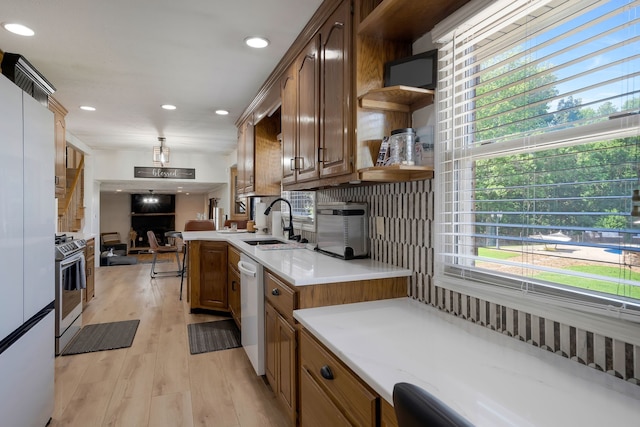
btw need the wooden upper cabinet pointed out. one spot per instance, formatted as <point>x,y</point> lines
<point>245,157</point>
<point>59,113</point>
<point>289,124</point>
<point>259,156</point>
<point>336,124</point>
<point>307,76</point>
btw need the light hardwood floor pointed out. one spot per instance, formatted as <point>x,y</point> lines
<point>157,382</point>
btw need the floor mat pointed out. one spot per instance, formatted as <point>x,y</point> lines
<point>103,336</point>
<point>213,336</point>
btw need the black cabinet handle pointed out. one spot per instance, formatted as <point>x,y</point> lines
<point>326,372</point>
<point>275,292</point>
<point>233,285</point>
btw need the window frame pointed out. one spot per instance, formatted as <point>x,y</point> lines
<point>563,306</point>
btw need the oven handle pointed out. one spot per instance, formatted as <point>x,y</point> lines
<point>72,259</point>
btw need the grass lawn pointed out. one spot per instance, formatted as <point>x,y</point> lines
<point>594,284</point>
<point>579,282</point>
<point>496,253</point>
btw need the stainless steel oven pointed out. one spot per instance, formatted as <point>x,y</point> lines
<point>70,280</point>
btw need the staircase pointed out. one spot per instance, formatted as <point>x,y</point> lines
<point>71,206</point>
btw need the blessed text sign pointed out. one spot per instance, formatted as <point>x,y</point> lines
<point>174,173</point>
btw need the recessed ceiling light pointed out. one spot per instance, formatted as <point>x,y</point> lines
<point>18,29</point>
<point>169,107</point>
<point>87,108</point>
<point>118,191</point>
<point>257,42</point>
<point>222,112</point>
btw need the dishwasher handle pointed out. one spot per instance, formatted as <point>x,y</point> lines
<point>247,269</point>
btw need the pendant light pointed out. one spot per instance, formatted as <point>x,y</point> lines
<point>161,153</point>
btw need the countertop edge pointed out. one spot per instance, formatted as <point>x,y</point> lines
<point>236,240</point>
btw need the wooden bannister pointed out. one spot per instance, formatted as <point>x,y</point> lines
<point>71,215</point>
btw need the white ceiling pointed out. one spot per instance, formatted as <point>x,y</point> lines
<point>128,57</point>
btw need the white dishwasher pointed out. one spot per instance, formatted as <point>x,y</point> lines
<point>252,311</point>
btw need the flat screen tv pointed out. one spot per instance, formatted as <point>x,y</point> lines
<point>416,71</point>
<point>162,203</point>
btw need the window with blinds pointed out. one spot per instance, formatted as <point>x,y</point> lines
<point>538,105</point>
<point>303,204</point>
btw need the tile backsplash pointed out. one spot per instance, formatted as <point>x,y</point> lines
<point>406,211</point>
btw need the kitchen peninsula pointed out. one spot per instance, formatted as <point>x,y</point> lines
<point>287,280</point>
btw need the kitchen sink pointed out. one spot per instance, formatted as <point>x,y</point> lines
<point>265,242</point>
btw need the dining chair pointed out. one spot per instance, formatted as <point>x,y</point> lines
<point>415,407</point>
<point>193,225</point>
<point>156,249</point>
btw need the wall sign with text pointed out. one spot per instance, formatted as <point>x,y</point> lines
<point>173,173</point>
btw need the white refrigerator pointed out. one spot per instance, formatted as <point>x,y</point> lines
<point>27,229</point>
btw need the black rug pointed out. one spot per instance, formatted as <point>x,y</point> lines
<point>103,336</point>
<point>213,336</point>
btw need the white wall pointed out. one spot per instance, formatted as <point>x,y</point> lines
<point>188,206</point>
<point>115,215</point>
<point>425,117</point>
<point>117,165</point>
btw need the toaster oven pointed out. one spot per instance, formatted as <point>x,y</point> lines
<point>343,229</point>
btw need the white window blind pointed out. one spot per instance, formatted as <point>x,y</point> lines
<point>302,203</point>
<point>538,106</point>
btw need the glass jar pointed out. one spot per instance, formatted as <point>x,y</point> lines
<point>402,146</point>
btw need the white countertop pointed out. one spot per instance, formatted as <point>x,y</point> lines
<point>302,266</point>
<point>491,379</point>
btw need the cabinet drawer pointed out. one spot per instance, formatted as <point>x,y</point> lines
<point>279,295</point>
<point>317,410</point>
<point>344,388</point>
<point>233,256</point>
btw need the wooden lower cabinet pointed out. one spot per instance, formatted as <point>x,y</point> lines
<point>284,368</point>
<point>353,398</point>
<point>387,414</point>
<point>90,262</point>
<point>281,338</point>
<point>208,275</point>
<point>322,412</point>
<point>233,285</point>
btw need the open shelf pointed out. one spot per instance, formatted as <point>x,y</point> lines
<point>405,99</point>
<point>395,173</point>
<point>406,20</point>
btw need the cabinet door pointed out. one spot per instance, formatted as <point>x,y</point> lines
<point>248,157</point>
<point>387,415</point>
<point>316,409</point>
<point>271,350</point>
<point>307,76</point>
<point>90,270</point>
<point>334,155</point>
<point>287,366</point>
<point>245,157</point>
<point>234,294</point>
<point>288,112</point>
<point>213,275</point>
<point>60,146</point>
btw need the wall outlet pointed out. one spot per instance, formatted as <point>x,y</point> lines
<point>380,226</point>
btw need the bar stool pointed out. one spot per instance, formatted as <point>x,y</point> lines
<point>193,225</point>
<point>157,249</point>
